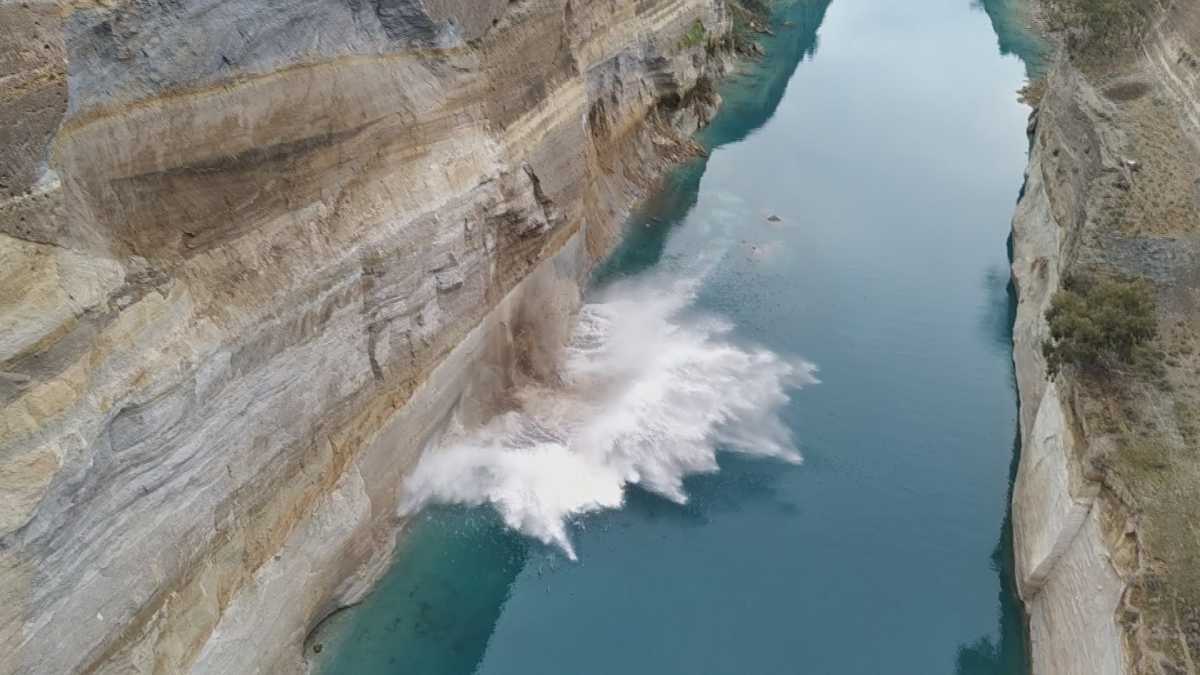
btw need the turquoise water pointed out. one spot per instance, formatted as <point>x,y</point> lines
<point>887,139</point>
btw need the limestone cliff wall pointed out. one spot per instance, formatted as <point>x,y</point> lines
<point>1087,567</point>
<point>252,254</point>
<point>1064,574</point>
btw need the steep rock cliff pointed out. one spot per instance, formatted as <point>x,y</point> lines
<point>1103,508</point>
<point>252,254</point>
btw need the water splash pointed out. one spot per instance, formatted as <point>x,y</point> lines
<point>649,392</point>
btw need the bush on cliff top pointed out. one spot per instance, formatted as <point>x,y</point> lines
<point>1098,30</point>
<point>1098,324</point>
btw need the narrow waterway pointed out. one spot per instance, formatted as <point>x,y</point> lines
<point>853,214</point>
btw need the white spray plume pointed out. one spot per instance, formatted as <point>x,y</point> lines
<point>648,396</point>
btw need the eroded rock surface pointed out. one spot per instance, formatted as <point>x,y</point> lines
<point>252,253</point>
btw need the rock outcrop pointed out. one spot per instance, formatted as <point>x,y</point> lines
<point>253,253</point>
<point>1108,469</point>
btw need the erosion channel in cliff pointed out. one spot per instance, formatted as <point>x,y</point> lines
<point>852,213</point>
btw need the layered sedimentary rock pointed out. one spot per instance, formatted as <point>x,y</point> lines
<point>1101,508</point>
<point>253,253</point>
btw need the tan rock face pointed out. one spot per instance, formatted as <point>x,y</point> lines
<point>253,254</point>
<point>33,91</point>
<point>1103,539</point>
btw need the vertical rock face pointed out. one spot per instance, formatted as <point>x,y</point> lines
<point>1064,573</point>
<point>1100,523</point>
<point>252,253</point>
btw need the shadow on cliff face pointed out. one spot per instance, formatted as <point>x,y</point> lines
<point>749,100</point>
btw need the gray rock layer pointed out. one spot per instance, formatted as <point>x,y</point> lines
<point>252,254</point>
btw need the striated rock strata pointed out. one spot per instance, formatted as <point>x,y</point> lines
<point>252,254</point>
<point>1104,504</point>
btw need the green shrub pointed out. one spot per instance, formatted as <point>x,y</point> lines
<point>1096,324</point>
<point>695,35</point>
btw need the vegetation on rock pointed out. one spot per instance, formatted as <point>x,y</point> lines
<point>1099,323</point>
<point>1098,30</point>
<point>695,35</point>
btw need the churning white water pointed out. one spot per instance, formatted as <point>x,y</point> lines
<point>649,392</point>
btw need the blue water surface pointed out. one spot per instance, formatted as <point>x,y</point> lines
<point>887,138</point>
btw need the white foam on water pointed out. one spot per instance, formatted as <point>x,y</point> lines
<point>649,392</point>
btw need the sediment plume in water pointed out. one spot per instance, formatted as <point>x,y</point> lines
<point>648,392</point>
